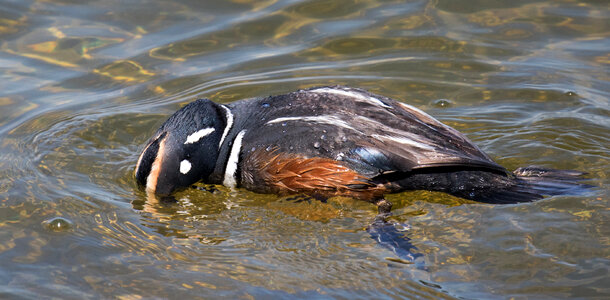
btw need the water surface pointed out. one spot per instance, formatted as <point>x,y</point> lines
<point>83,84</point>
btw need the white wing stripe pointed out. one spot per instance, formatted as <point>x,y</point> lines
<point>403,140</point>
<point>324,119</point>
<point>355,95</point>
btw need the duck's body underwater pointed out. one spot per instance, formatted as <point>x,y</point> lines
<point>331,141</point>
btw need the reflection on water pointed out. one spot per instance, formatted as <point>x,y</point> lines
<point>84,84</point>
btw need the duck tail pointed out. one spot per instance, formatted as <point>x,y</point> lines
<point>528,184</point>
<point>552,182</point>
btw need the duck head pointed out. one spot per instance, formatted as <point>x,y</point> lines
<point>184,149</point>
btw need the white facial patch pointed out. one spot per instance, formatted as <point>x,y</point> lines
<point>231,168</point>
<point>197,135</point>
<point>358,96</point>
<point>185,166</point>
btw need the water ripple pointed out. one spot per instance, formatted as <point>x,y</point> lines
<point>83,85</point>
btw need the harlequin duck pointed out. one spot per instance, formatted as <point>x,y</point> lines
<point>331,141</point>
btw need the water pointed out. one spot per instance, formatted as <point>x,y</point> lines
<point>84,84</point>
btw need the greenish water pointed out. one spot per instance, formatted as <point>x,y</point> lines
<point>83,84</point>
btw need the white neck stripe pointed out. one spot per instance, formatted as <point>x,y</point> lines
<point>233,160</point>
<point>227,126</point>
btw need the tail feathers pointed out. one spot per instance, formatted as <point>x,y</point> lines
<point>501,196</point>
<point>528,184</point>
<point>553,182</point>
<point>538,172</point>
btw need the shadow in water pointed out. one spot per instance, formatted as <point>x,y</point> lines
<point>392,237</point>
<point>389,235</point>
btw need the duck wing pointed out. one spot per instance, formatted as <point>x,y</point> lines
<point>396,137</point>
<point>369,133</point>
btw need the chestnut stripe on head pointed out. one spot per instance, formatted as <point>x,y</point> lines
<point>155,169</point>
<point>146,160</point>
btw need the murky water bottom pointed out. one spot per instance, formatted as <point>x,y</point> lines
<point>84,86</point>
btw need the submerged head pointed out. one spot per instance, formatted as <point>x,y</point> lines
<point>184,150</point>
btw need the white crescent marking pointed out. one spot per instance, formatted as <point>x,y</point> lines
<point>228,126</point>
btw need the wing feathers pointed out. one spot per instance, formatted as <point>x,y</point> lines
<point>403,137</point>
